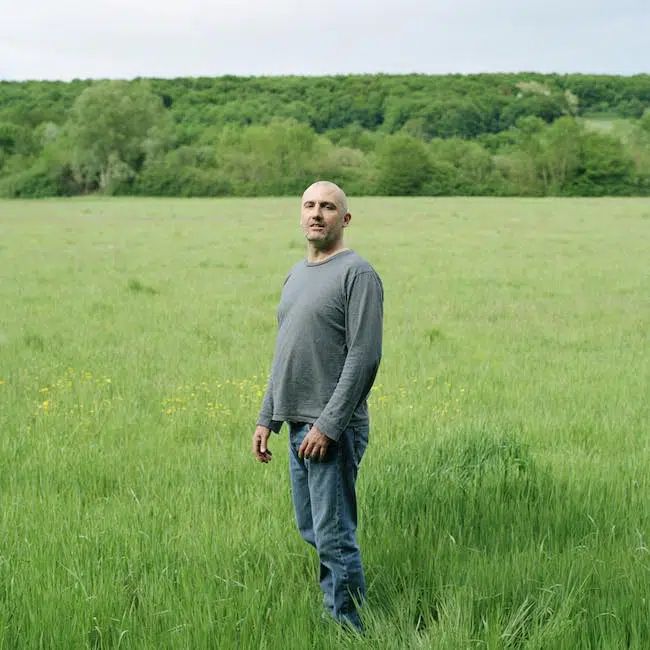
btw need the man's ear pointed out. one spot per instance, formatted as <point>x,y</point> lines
<point>347,217</point>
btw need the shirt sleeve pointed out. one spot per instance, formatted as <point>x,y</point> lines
<point>363,324</point>
<point>265,418</point>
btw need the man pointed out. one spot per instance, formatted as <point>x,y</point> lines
<point>326,357</point>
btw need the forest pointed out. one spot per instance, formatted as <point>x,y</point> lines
<point>522,134</point>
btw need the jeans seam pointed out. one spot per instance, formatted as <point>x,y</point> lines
<point>343,587</point>
<point>339,552</point>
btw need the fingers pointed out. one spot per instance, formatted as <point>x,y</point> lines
<point>307,447</point>
<point>313,447</point>
<point>260,449</point>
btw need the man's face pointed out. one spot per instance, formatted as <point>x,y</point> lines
<point>323,216</point>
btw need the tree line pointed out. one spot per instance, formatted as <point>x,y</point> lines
<point>490,134</point>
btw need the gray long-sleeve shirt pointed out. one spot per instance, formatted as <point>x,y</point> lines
<point>328,346</point>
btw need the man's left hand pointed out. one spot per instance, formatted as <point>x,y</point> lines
<point>314,446</point>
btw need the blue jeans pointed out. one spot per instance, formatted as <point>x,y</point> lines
<point>325,503</point>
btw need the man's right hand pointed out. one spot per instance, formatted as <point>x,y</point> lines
<point>260,438</point>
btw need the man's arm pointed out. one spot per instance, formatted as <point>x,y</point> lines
<point>265,421</point>
<point>265,416</point>
<point>260,444</point>
<point>364,321</point>
<point>263,428</point>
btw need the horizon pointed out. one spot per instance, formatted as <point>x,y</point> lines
<point>324,76</point>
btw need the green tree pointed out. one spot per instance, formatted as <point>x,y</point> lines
<point>15,139</point>
<point>109,131</point>
<point>472,166</point>
<point>275,159</point>
<point>185,171</point>
<point>606,167</point>
<point>546,107</point>
<point>239,135</point>
<point>49,175</point>
<point>639,148</point>
<point>558,156</point>
<point>403,166</point>
<point>644,122</point>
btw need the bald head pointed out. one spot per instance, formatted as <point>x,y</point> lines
<point>323,217</point>
<point>332,189</point>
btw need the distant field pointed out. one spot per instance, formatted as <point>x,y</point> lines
<point>505,495</point>
<point>620,127</point>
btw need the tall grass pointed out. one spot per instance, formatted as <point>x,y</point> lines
<point>505,492</point>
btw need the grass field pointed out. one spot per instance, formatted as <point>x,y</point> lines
<point>505,495</point>
<point>622,128</point>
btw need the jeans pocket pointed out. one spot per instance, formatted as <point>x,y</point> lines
<point>360,441</point>
<point>297,433</point>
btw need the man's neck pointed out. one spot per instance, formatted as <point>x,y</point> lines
<point>319,255</point>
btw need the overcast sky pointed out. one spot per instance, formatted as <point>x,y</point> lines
<point>64,39</point>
